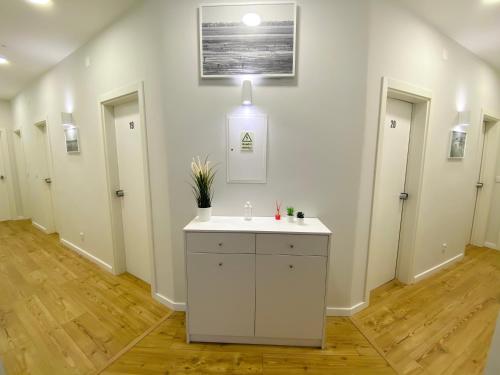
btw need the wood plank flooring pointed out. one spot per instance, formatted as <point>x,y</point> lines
<point>59,313</point>
<point>442,325</point>
<point>165,351</point>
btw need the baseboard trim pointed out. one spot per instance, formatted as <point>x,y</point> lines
<point>39,227</point>
<point>86,255</point>
<point>176,306</point>
<point>253,340</point>
<point>437,268</point>
<point>346,311</point>
<point>330,311</point>
<point>491,245</point>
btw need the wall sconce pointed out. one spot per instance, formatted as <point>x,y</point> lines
<point>463,118</point>
<point>67,120</point>
<point>246,92</point>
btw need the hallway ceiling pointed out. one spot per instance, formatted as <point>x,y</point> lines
<point>475,24</point>
<point>36,37</point>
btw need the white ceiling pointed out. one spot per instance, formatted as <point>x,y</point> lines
<point>475,24</point>
<point>34,38</point>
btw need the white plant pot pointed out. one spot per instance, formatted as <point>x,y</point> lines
<point>291,219</point>
<point>204,214</point>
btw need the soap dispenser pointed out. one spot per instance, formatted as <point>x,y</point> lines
<point>248,211</point>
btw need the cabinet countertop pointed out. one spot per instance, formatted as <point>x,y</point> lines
<point>257,225</point>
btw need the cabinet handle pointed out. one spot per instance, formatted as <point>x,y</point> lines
<point>220,244</point>
<point>291,246</point>
<point>291,266</point>
<point>220,264</point>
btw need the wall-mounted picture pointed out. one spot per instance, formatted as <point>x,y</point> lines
<point>72,140</point>
<point>243,39</point>
<point>458,140</point>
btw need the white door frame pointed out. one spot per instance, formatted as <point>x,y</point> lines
<point>479,225</point>
<point>9,175</point>
<point>421,99</point>
<point>51,227</point>
<point>106,100</point>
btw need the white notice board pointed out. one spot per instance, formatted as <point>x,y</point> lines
<point>247,148</point>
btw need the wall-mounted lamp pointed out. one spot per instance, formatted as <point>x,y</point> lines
<point>246,92</point>
<point>67,120</point>
<point>463,118</point>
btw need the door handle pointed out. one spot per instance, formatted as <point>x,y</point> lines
<point>403,196</point>
<point>479,185</point>
<point>48,180</point>
<point>119,193</point>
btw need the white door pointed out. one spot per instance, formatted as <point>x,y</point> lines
<point>390,183</point>
<point>290,293</point>
<point>486,187</point>
<point>221,293</point>
<point>4,191</point>
<point>131,173</point>
<point>41,195</point>
<point>21,173</point>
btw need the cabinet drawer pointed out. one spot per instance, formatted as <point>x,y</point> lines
<point>290,296</point>
<point>221,294</point>
<point>293,244</point>
<point>229,243</point>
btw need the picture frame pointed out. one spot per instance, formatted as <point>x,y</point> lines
<point>457,144</point>
<point>72,140</point>
<point>241,39</point>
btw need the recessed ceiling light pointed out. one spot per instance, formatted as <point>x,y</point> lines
<point>3,61</point>
<point>40,2</point>
<point>251,19</point>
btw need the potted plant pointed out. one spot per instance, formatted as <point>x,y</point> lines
<point>203,178</point>
<point>289,212</point>
<point>300,217</point>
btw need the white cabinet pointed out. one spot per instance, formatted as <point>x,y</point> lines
<point>258,282</point>
<point>290,291</point>
<point>221,289</point>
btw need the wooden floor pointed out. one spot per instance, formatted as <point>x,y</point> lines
<point>165,351</point>
<point>442,325</point>
<point>59,313</point>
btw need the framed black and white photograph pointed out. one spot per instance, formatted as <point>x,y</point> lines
<point>72,140</point>
<point>458,140</point>
<point>248,39</point>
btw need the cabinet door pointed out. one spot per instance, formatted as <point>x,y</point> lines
<point>290,295</point>
<point>221,294</point>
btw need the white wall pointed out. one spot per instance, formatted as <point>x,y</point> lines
<point>322,130</point>
<point>315,127</point>
<point>314,138</point>
<point>405,48</point>
<point>5,114</point>
<point>125,53</point>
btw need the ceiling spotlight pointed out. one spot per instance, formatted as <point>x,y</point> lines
<point>3,61</point>
<point>40,2</point>
<point>251,19</point>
